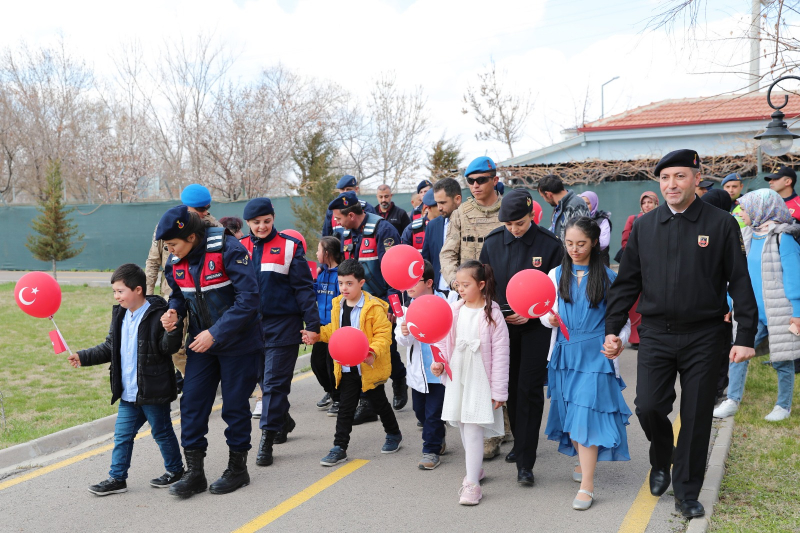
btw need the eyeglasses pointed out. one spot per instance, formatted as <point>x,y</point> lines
<point>202,209</point>
<point>479,181</point>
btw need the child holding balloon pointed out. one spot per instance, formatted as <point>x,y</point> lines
<point>588,414</point>
<point>357,309</point>
<point>477,353</point>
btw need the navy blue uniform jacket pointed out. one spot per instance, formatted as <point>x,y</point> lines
<point>434,240</point>
<point>327,227</point>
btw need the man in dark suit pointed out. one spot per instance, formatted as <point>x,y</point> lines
<point>447,193</point>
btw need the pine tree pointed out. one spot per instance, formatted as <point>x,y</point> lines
<point>57,235</point>
<point>444,159</point>
<point>314,159</point>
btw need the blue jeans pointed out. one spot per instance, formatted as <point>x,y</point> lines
<point>428,409</point>
<point>130,419</point>
<point>737,373</point>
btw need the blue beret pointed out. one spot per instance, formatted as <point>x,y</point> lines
<point>678,158</point>
<point>422,184</point>
<point>172,222</point>
<point>195,195</point>
<point>346,181</point>
<point>500,188</point>
<point>731,177</point>
<point>258,207</point>
<point>516,204</point>
<point>344,200</point>
<point>480,165</point>
<point>428,200</point>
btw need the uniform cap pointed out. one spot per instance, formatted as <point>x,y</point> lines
<point>422,184</point>
<point>516,204</point>
<point>343,201</point>
<point>428,198</point>
<point>346,181</point>
<point>195,195</point>
<point>706,184</point>
<point>678,158</point>
<point>172,223</point>
<point>258,207</point>
<point>480,165</point>
<point>783,172</point>
<point>731,177</point>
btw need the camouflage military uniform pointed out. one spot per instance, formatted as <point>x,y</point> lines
<point>154,268</point>
<point>469,224</point>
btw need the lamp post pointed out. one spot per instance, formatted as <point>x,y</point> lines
<point>602,97</point>
<point>777,139</point>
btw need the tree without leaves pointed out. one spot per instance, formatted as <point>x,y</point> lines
<point>444,159</point>
<point>500,111</point>
<point>314,158</point>
<point>57,234</point>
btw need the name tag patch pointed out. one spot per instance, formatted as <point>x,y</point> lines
<point>214,276</point>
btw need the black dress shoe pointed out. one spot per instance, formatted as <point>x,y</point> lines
<point>659,481</point>
<point>689,508</point>
<point>400,389</point>
<point>525,477</point>
<point>511,457</point>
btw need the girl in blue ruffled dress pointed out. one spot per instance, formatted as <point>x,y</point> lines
<point>588,414</point>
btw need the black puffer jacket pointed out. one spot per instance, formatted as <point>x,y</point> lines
<point>155,373</point>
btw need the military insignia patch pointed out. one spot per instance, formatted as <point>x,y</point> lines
<point>702,241</point>
<point>529,201</point>
<point>274,251</point>
<point>344,201</point>
<point>537,262</point>
<point>180,224</point>
<point>366,242</point>
<point>212,266</point>
<point>180,274</point>
<point>388,243</point>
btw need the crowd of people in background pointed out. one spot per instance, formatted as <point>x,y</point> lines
<point>703,279</point>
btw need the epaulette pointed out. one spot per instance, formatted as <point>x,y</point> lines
<point>215,239</point>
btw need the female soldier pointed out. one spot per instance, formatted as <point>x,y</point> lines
<point>211,278</point>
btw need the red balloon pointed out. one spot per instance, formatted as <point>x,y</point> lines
<point>537,212</point>
<point>348,346</point>
<point>297,235</point>
<point>531,293</point>
<point>38,294</point>
<point>402,266</point>
<point>429,318</point>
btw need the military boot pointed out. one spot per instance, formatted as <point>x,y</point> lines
<point>288,425</point>
<point>194,479</point>
<point>264,457</point>
<point>234,477</point>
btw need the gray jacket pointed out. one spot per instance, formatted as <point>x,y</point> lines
<point>571,206</point>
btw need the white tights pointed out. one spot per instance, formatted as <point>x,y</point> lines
<point>472,438</point>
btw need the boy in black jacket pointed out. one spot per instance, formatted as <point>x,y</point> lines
<point>142,377</point>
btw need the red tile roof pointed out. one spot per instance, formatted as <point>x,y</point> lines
<point>712,110</point>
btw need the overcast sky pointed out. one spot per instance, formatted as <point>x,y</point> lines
<point>556,49</point>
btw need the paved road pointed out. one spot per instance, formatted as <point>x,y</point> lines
<point>93,279</point>
<point>387,492</point>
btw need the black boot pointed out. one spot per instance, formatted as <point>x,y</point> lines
<point>364,412</point>
<point>288,426</point>
<point>400,393</point>
<point>194,480</point>
<point>234,477</point>
<point>264,457</point>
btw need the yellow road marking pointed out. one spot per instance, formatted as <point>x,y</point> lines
<point>638,516</point>
<point>301,497</point>
<point>97,451</point>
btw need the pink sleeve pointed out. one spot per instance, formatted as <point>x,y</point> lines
<point>500,357</point>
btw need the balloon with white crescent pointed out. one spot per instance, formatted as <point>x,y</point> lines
<point>419,333</point>
<point>23,300</point>
<point>411,273</point>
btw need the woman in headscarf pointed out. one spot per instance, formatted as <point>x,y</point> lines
<point>773,260</point>
<point>603,219</point>
<point>647,202</point>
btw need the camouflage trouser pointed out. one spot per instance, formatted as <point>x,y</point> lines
<point>491,446</point>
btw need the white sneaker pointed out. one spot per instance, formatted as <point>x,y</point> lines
<point>726,409</point>
<point>257,410</point>
<point>777,414</point>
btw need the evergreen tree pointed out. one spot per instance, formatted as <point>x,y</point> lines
<point>314,159</point>
<point>444,159</point>
<point>57,235</point>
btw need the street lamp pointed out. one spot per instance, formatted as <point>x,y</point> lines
<point>602,97</point>
<point>777,139</point>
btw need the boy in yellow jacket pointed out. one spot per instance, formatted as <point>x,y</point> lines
<point>361,310</point>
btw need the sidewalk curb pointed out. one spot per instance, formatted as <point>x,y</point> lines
<point>709,494</point>
<point>77,435</point>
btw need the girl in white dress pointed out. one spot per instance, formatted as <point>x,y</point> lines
<point>476,351</point>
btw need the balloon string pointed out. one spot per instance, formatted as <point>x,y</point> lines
<point>53,320</point>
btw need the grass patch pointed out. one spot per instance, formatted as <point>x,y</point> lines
<point>42,394</point>
<point>760,489</point>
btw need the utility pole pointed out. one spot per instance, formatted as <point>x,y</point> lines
<point>602,97</point>
<point>754,34</point>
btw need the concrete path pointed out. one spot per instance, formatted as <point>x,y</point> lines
<point>93,279</point>
<point>370,492</point>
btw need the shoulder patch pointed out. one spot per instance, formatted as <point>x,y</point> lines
<point>388,242</point>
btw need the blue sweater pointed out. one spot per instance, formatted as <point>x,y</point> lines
<point>327,287</point>
<point>790,263</point>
